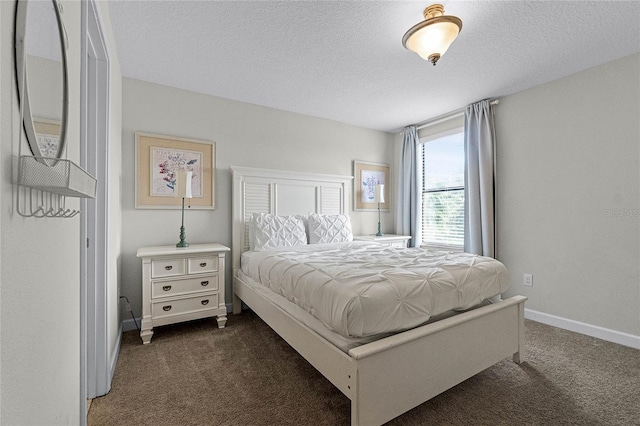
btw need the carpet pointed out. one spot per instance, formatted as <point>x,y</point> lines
<point>196,374</point>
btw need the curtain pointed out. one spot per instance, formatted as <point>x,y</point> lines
<point>407,219</point>
<point>479,188</point>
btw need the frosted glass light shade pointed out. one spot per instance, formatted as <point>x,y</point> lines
<point>379,194</point>
<point>432,37</point>
<point>183,184</point>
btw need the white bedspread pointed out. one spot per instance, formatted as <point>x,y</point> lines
<point>361,289</point>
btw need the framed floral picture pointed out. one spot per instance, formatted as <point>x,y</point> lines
<point>366,177</point>
<point>48,136</point>
<point>159,158</point>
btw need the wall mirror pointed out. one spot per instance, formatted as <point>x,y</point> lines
<point>41,67</point>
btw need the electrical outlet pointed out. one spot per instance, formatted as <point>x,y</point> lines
<point>528,280</point>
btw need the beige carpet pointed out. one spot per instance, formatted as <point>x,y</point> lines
<point>245,374</point>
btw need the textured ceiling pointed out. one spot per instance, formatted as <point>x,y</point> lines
<point>344,60</point>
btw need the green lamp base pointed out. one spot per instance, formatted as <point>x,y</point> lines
<point>183,236</point>
<point>379,234</point>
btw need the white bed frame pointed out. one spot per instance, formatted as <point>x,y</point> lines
<point>388,377</point>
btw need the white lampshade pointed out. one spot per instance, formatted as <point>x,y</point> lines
<point>378,194</point>
<point>183,184</point>
<point>432,37</point>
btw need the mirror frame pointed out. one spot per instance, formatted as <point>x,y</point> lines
<point>21,73</point>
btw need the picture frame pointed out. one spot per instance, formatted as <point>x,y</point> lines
<point>159,157</point>
<point>366,176</point>
<point>47,136</point>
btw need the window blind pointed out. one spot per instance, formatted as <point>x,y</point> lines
<point>443,217</point>
<point>442,181</point>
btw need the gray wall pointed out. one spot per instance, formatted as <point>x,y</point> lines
<point>40,269</point>
<point>245,135</point>
<point>568,176</point>
<point>569,195</point>
<point>40,258</point>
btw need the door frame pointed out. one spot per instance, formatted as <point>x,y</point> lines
<point>95,374</point>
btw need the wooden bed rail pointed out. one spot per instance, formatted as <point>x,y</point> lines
<point>432,328</point>
<point>399,373</point>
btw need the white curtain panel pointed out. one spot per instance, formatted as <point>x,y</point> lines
<point>407,211</point>
<point>479,202</point>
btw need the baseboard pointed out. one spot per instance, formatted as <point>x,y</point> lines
<point>114,355</point>
<point>618,337</point>
<point>130,324</point>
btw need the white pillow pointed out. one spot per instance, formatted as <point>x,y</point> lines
<point>329,228</point>
<point>305,220</point>
<point>272,231</point>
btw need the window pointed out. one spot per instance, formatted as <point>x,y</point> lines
<point>443,188</point>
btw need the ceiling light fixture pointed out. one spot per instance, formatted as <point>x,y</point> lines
<point>433,36</point>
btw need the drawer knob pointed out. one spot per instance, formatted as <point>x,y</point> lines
<point>166,288</point>
<point>168,268</point>
<point>204,283</point>
<point>205,302</point>
<point>166,308</point>
<point>203,264</point>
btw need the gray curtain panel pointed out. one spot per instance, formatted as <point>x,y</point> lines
<point>408,191</point>
<point>479,188</point>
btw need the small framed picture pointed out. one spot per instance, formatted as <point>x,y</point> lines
<point>159,158</point>
<point>366,177</point>
<point>48,137</point>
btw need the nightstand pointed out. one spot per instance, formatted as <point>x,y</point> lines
<point>392,240</point>
<point>181,284</point>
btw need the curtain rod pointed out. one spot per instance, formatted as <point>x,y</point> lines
<point>447,116</point>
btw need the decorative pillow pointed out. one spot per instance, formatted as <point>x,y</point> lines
<point>305,220</point>
<point>329,228</point>
<point>272,231</point>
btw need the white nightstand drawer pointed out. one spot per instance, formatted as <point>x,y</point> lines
<point>167,268</point>
<point>191,285</point>
<point>201,265</point>
<point>169,308</point>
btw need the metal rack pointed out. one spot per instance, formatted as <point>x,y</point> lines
<point>44,183</point>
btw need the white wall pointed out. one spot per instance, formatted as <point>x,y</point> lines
<point>40,268</point>
<point>245,135</point>
<point>569,195</point>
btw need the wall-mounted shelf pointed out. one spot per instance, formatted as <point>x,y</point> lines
<point>44,183</point>
<point>57,176</point>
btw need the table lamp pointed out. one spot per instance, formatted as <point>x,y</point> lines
<point>182,189</point>
<point>379,198</point>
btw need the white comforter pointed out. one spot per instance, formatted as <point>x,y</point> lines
<point>360,289</point>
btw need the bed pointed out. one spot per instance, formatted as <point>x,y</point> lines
<point>382,376</point>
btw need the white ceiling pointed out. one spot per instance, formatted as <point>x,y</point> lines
<point>344,60</point>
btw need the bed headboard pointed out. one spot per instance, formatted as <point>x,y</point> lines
<point>284,193</point>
